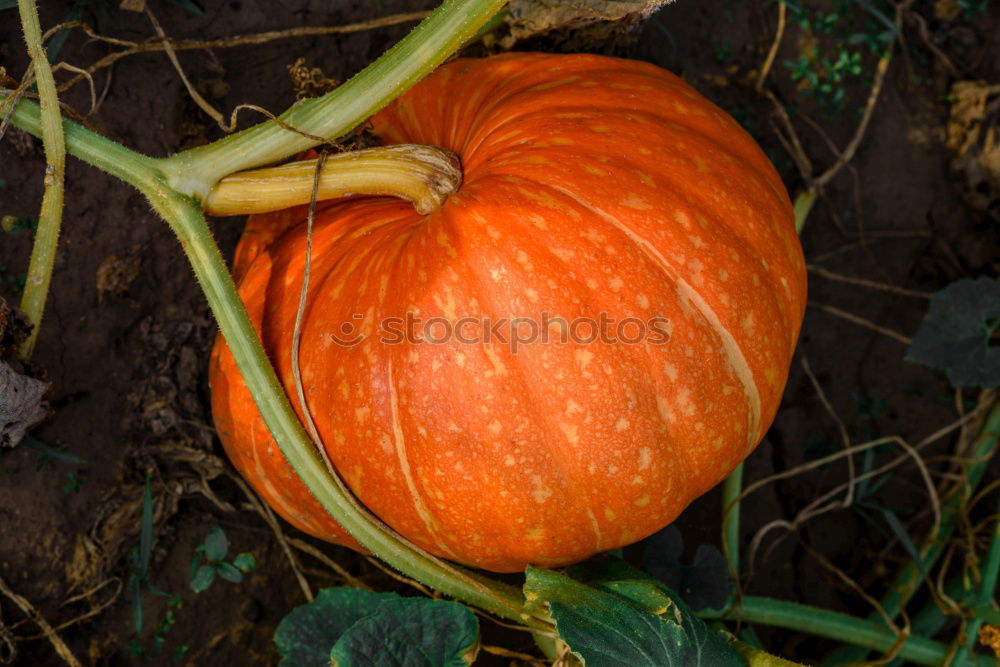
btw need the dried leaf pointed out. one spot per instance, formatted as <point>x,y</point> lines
<point>533,18</point>
<point>974,136</point>
<point>22,404</point>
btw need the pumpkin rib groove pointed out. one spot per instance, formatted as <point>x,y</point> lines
<point>733,350</point>
<point>734,238</point>
<point>626,353</point>
<point>533,402</point>
<point>581,284</point>
<point>404,463</point>
<point>741,237</point>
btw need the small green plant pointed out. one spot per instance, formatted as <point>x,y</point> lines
<point>74,482</point>
<point>209,560</point>
<point>138,581</point>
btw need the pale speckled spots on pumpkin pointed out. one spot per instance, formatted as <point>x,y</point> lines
<point>644,151</point>
<point>684,403</point>
<point>539,492</point>
<point>645,457</point>
<point>591,284</point>
<point>642,300</point>
<point>522,258</point>
<point>460,359</point>
<point>616,283</point>
<point>670,370</point>
<point>571,431</point>
<point>642,500</point>
<point>538,221</point>
<point>592,170</point>
<point>621,425</point>
<point>572,408</point>
<point>532,294</point>
<point>683,219</point>
<point>635,202</point>
<point>663,405</point>
<point>498,366</point>
<point>498,273</point>
<point>564,254</point>
<point>645,179</point>
<point>495,427</point>
<point>583,358</point>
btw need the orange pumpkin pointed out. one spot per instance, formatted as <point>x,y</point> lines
<point>595,189</point>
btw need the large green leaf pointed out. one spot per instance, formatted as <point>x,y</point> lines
<point>626,619</point>
<point>351,627</point>
<point>410,632</point>
<point>304,637</point>
<point>958,334</point>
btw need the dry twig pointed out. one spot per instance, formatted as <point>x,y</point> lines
<point>857,319</point>
<point>57,643</point>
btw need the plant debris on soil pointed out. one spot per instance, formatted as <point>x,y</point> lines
<point>124,345</point>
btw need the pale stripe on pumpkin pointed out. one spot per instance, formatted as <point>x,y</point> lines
<point>734,354</point>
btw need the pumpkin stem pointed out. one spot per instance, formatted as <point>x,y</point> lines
<point>424,175</point>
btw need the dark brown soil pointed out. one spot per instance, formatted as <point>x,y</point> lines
<point>128,365</point>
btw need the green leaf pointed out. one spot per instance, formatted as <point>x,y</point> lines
<point>216,544</point>
<point>365,628</point>
<point>203,578</point>
<point>245,562</point>
<point>411,632</point>
<point>136,585</point>
<point>306,635</point>
<point>704,584</point>
<point>958,333</point>
<point>50,452</point>
<point>229,572</point>
<point>628,619</point>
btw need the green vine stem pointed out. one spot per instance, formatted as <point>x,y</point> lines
<point>43,252</point>
<point>985,595</point>
<point>731,490</point>
<point>836,626</point>
<point>904,586</point>
<point>431,43</point>
<point>338,112</point>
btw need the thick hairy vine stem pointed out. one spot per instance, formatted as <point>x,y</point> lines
<point>43,252</point>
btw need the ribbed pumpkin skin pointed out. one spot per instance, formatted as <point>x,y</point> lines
<point>591,185</point>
